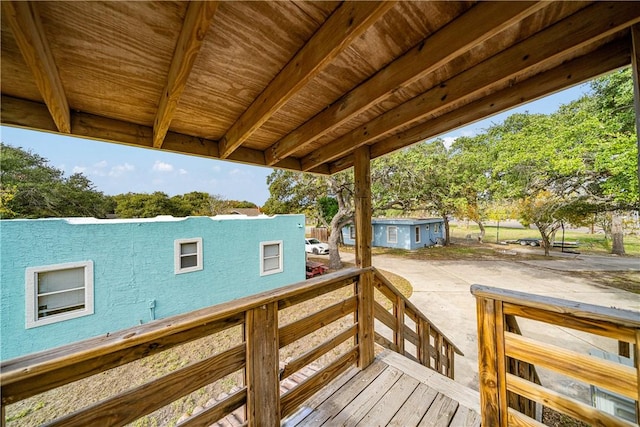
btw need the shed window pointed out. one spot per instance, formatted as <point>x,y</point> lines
<point>188,255</point>
<point>392,234</point>
<point>55,293</point>
<point>271,257</point>
<point>352,232</point>
<point>436,228</point>
<point>417,234</point>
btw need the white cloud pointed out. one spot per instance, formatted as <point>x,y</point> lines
<point>79,169</point>
<point>216,168</point>
<point>237,172</point>
<point>182,172</point>
<point>101,165</point>
<point>160,166</point>
<point>120,170</point>
<point>449,140</point>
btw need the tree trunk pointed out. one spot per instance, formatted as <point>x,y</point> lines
<point>617,235</point>
<point>482,231</point>
<point>447,241</point>
<point>334,252</point>
<point>545,233</point>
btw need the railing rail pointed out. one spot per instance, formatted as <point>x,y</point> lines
<point>431,347</point>
<point>257,356</point>
<point>497,345</point>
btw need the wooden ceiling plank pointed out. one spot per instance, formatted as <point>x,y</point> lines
<point>34,115</point>
<point>593,23</point>
<point>349,21</point>
<point>480,23</point>
<point>609,57</point>
<point>30,37</point>
<point>196,23</point>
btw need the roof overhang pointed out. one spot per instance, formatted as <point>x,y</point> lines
<point>294,85</point>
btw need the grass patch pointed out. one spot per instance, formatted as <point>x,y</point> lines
<point>588,243</point>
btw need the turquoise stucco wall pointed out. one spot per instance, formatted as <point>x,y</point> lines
<point>406,233</point>
<point>134,264</point>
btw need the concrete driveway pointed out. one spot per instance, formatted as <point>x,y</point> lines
<point>441,291</point>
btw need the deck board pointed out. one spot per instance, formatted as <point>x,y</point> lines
<point>415,407</point>
<point>440,412</point>
<point>398,394</point>
<point>393,391</point>
<point>343,396</point>
<point>367,399</point>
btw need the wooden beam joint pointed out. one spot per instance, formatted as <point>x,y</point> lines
<point>194,29</point>
<point>30,37</point>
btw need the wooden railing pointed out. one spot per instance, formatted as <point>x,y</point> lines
<point>413,335</point>
<point>339,301</point>
<point>498,345</point>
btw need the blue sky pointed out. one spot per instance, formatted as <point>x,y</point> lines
<point>115,168</point>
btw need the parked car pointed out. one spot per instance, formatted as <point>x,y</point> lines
<point>316,247</point>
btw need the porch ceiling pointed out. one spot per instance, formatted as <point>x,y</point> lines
<point>289,84</point>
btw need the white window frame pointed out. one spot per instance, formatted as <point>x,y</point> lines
<point>389,227</point>
<point>177,246</point>
<point>32,295</point>
<point>352,232</point>
<point>280,268</point>
<point>436,228</point>
<point>417,233</point>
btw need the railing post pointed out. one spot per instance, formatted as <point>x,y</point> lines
<point>263,384</point>
<point>398,335</point>
<point>366,335</point>
<point>491,362</point>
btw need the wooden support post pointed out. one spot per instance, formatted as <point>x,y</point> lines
<point>488,364</point>
<point>635,70</point>
<point>636,362</point>
<point>362,178</point>
<point>263,384</point>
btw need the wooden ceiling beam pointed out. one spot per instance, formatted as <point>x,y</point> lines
<point>481,22</point>
<point>34,115</point>
<point>607,58</point>
<point>349,21</point>
<point>590,24</point>
<point>32,42</point>
<point>194,29</point>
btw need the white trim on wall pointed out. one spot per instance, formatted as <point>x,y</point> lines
<point>187,255</point>
<point>272,262</point>
<point>58,292</point>
<point>395,229</point>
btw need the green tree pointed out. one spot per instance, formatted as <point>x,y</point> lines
<point>471,165</point>
<point>142,205</point>
<point>292,192</point>
<point>31,188</point>
<point>418,178</point>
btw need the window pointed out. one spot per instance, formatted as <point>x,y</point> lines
<point>188,255</point>
<point>392,234</point>
<point>436,228</point>
<point>417,233</point>
<point>352,232</point>
<point>55,293</point>
<point>270,257</point>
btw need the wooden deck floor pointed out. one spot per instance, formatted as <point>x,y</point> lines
<point>393,391</point>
